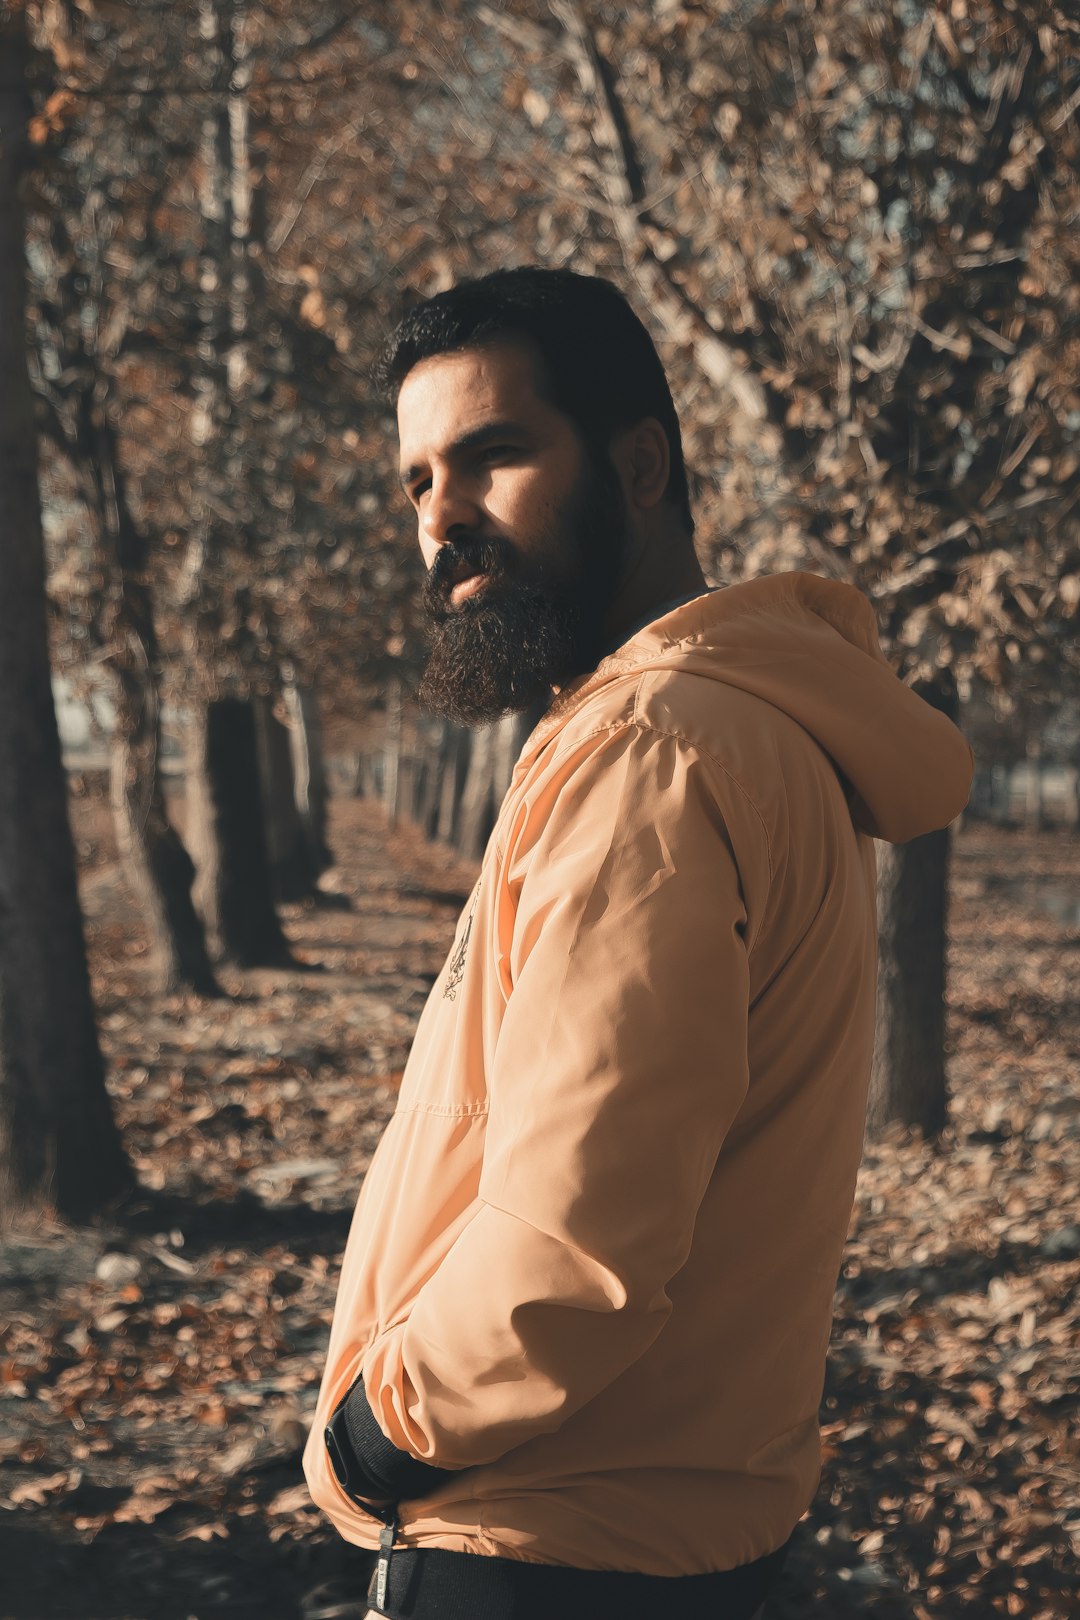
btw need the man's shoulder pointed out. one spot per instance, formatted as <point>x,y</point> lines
<point>755,755</point>
<point>710,714</point>
<point>697,709</point>
<point>619,741</point>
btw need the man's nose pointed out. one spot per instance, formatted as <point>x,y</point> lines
<point>449,511</point>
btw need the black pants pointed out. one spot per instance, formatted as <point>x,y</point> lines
<point>431,1584</point>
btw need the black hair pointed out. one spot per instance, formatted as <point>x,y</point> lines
<point>599,365</point>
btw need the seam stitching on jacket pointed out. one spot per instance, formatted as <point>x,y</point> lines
<point>678,736</point>
<point>612,726</point>
<point>446,1110</point>
<point>734,780</point>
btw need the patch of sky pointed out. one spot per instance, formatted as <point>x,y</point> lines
<point>488,58</point>
<point>939,200</point>
<point>981,79</point>
<point>963,458</point>
<point>717,169</point>
<point>858,253</point>
<point>36,260</point>
<point>370,32</point>
<point>856,142</point>
<point>431,111</point>
<point>891,293</point>
<point>824,279</point>
<point>921,139</point>
<point>937,89</point>
<point>909,13</point>
<point>864,130</point>
<point>897,220</point>
<point>733,16</point>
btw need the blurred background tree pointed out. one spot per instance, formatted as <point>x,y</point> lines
<point>58,1141</point>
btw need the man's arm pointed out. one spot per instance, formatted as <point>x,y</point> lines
<point>620,1065</point>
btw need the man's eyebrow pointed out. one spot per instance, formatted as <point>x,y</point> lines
<point>486,433</point>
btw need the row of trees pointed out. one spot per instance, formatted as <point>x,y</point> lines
<point>851,225</point>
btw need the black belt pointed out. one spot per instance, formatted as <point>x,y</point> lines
<point>429,1583</point>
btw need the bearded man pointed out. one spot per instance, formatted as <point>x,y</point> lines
<point>579,1342</point>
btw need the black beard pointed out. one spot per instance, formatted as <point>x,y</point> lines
<point>502,650</point>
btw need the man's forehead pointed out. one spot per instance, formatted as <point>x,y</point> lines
<point>456,392</point>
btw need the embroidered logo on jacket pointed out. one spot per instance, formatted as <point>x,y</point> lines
<point>456,969</point>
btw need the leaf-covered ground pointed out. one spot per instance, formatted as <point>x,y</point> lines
<point>156,1374</point>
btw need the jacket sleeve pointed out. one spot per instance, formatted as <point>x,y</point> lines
<point>620,1064</point>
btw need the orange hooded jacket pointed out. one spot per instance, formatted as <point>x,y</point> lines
<point>592,1265</point>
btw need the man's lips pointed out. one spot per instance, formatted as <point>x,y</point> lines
<point>456,575</point>
<point>468,586</point>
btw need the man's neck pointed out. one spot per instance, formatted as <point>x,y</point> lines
<point>661,578</point>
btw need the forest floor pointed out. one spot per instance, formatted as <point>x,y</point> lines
<point>157,1373</point>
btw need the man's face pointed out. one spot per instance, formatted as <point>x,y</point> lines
<point>521,530</point>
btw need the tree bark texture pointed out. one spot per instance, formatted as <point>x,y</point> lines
<point>429,785</point>
<point>392,755</point>
<point>453,765</point>
<point>81,419</point>
<point>908,1081</point>
<point>476,815</point>
<point>289,852</point>
<point>1034,807</point>
<point>493,753</point>
<point>309,771</point>
<point>157,867</point>
<point>227,836</point>
<point>58,1140</point>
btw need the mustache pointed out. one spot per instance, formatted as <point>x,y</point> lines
<point>493,558</point>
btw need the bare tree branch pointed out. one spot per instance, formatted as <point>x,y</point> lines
<point>677,314</point>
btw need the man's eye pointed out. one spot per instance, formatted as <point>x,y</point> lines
<point>496,452</point>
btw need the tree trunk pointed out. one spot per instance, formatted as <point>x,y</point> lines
<point>999,794</point>
<point>309,772</point>
<point>453,768</point>
<point>429,785</point>
<point>476,817</point>
<point>82,421</point>
<point>241,197</point>
<point>58,1140</point>
<point>908,1080</point>
<point>1034,813</point>
<point>405,804</point>
<point>290,857</point>
<point>211,380</point>
<point>363,781</point>
<point>227,836</point>
<point>392,752</point>
<point>476,772</point>
<point>157,867</point>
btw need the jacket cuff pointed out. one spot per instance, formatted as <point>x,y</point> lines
<point>393,1475</point>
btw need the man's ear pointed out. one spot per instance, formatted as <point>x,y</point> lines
<point>642,457</point>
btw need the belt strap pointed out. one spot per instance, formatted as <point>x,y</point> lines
<point>429,1583</point>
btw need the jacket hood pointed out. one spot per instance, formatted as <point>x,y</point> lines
<point>809,646</point>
